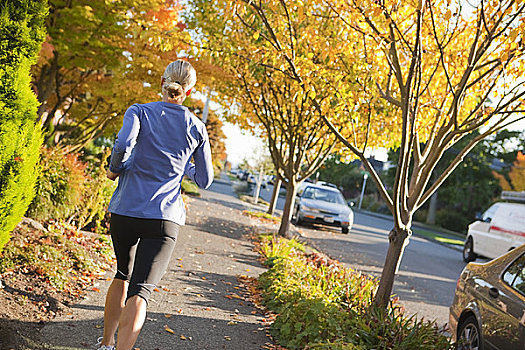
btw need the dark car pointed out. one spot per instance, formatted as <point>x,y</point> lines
<point>488,311</point>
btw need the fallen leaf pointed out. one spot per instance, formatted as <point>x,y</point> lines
<point>99,326</point>
<point>156,289</point>
<point>167,315</point>
<point>232,323</point>
<point>95,289</point>
<point>227,337</point>
<point>168,329</point>
<point>182,337</point>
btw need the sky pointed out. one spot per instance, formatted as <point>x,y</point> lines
<point>240,144</point>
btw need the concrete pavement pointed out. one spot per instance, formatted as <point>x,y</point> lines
<point>199,303</point>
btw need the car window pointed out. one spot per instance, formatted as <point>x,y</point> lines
<point>490,212</point>
<point>323,195</point>
<point>514,276</point>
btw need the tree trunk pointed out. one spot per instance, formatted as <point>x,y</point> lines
<point>275,195</point>
<point>398,240</point>
<point>287,212</point>
<point>432,208</point>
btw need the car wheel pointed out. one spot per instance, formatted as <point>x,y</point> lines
<point>468,251</point>
<point>469,337</point>
<point>345,229</point>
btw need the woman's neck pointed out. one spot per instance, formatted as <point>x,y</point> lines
<point>177,101</point>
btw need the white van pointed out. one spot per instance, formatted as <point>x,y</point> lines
<point>500,229</point>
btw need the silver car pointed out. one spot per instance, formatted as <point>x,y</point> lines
<point>320,204</point>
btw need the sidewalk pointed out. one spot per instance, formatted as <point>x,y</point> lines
<point>199,303</point>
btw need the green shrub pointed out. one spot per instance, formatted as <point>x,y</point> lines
<point>322,305</point>
<point>338,345</point>
<point>452,220</point>
<point>309,321</point>
<point>21,34</point>
<point>421,215</point>
<point>189,187</point>
<point>70,190</point>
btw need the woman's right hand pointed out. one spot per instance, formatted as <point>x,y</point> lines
<point>111,175</point>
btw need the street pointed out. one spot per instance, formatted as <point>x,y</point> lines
<point>428,272</point>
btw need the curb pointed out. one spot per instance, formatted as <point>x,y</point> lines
<point>423,227</point>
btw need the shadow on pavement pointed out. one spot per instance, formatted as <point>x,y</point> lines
<point>161,332</point>
<point>223,227</point>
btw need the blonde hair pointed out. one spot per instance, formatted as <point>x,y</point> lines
<point>179,77</point>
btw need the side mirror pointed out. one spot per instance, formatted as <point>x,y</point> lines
<point>351,203</point>
<point>487,220</point>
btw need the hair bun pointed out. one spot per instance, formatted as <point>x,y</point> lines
<point>174,90</point>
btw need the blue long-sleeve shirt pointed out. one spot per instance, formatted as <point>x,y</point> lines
<point>152,153</point>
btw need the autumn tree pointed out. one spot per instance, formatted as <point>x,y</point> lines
<point>516,175</point>
<point>99,58</point>
<point>215,133</point>
<point>416,75</point>
<point>270,97</point>
<point>448,70</point>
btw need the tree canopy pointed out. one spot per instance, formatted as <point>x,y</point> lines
<point>99,58</point>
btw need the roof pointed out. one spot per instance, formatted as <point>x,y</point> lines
<point>320,185</point>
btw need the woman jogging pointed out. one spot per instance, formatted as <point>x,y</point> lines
<point>151,155</point>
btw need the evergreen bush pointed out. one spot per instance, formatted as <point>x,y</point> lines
<point>21,34</point>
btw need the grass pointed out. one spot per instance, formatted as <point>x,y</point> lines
<point>437,237</point>
<point>261,215</point>
<point>249,199</point>
<point>190,188</point>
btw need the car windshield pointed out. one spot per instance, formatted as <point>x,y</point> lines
<point>323,195</point>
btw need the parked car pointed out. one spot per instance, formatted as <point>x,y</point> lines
<point>245,175</point>
<point>320,204</point>
<point>488,311</point>
<point>500,229</point>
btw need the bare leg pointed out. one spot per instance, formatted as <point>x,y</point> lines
<point>115,300</point>
<point>131,321</point>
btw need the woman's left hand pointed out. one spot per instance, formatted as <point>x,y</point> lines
<point>111,175</point>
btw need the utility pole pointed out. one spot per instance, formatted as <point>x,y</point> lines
<point>365,176</point>
<point>258,185</point>
<point>206,106</point>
